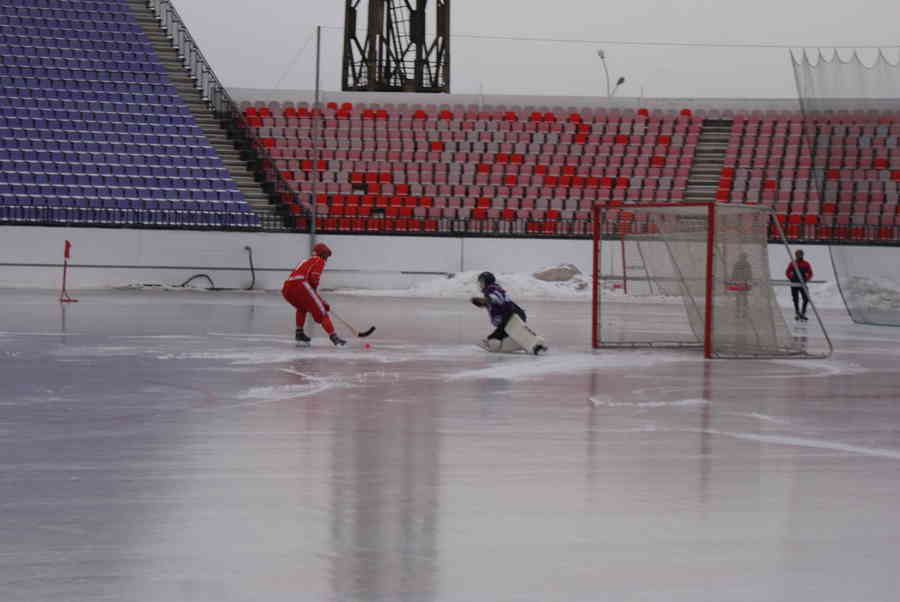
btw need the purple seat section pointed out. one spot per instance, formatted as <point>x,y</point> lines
<point>92,131</point>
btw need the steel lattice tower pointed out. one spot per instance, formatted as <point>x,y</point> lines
<point>396,53</point>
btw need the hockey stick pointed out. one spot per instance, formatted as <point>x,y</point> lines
<point>355,332</point>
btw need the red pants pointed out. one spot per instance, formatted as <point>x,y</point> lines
<point>303,297</point>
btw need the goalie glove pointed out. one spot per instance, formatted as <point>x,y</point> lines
<point>478,301</point>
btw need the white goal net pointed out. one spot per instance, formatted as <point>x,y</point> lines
<point>701,271</point>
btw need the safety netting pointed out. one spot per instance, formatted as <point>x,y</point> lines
<point>851,109</point>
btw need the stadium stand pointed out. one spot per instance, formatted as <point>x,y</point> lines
<point>840,182</point>
<point>538,170</point>
<point>92,132</point>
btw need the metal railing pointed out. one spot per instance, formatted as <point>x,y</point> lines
<point>225,109</point>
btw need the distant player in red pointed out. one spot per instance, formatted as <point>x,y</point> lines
<point>798,277</point>
<point>301,291</point>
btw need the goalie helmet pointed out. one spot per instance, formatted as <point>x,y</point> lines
<point>486,279</point>
<point>322,250</point>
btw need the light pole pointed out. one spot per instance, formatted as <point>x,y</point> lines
<point>619,82</point>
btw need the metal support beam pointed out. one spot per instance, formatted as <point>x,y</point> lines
<point>396,53</point>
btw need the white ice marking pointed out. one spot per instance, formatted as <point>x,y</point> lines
<point>98,351</point>
<point>249,336</point>
<point>285,392</point>
<point>813,443</point>
<point>378,353</point>
<point>681,403</point>
<point>524,366</point>
<point>313,385</point>
<point>817,368</point>
<point>36,334</point>
<point>763,417</point>
<point>239,358</point>
<point>159,336</point>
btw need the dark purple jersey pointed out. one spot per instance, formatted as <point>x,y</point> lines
<point>499,303</point>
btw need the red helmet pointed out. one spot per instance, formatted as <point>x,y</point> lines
<point>322,250</point>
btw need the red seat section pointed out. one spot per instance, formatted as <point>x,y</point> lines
<point>550,165</point>
<point>818,173</point>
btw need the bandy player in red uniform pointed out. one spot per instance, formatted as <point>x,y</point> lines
<point>301,291</point>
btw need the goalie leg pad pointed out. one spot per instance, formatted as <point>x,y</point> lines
<point>524,336</point>
<point>506,345</point>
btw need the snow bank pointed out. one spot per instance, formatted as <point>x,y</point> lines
<point>525,286</point>
<point>465,284</point>
<point>825,295</point>
<point>877,295</point>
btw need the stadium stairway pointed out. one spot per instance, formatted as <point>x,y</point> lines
<point>238,169</point>
<point>709,159</point>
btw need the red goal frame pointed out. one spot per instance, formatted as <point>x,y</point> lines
<point>623,225</point>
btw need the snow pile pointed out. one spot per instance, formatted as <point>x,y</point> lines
<point>825,295</point>
<point>881,295</point>
<point>525,286</point>
<point>465,284</point>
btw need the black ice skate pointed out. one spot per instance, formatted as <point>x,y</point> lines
<point>338,341</point>
<point>539,349</point>
<point>301,337</point>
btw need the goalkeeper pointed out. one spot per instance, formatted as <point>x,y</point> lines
<point>741,283</point>
<point>508,319</point>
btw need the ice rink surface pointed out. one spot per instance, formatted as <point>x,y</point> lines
<point>178,447</point>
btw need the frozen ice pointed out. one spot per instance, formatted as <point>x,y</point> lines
<point>165,445</point>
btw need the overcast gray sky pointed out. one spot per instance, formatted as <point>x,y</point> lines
<point>252,44</point>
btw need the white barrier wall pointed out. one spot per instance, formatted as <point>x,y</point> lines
<point>32,257</point>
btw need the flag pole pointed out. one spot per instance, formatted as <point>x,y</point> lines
<point>63,293</point>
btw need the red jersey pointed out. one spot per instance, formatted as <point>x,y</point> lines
<point>308,270</point>
<point>803,267</point>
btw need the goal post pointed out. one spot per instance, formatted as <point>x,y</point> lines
<point>704,280</point>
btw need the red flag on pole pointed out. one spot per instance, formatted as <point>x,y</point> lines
<point>63,295</point>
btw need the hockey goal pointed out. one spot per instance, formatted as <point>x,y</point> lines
<point>687,274</point>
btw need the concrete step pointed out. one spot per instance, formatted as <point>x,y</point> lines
<point>720,123</point>
<point>709,157</point>
<point>185,86</point>
<point>707,153</point>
